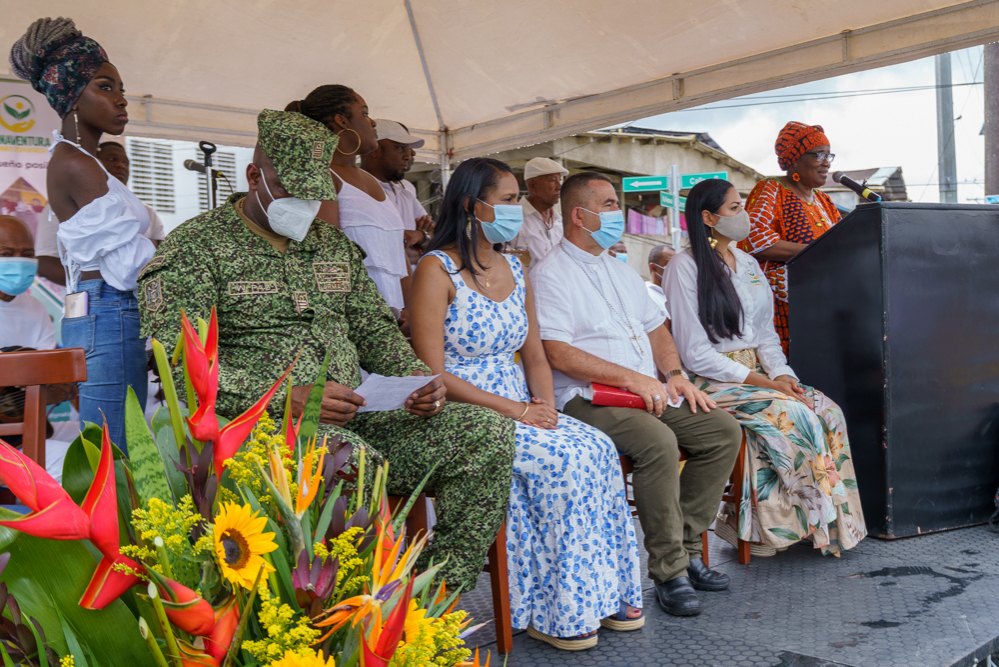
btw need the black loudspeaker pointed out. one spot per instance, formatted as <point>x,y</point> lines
<point>894,314</point>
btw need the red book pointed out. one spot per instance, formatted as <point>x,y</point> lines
<point>601,394</point>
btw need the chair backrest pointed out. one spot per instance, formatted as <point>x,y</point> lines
<point>33,370</point>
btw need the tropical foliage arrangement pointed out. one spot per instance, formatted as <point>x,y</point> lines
<point>216,544</point>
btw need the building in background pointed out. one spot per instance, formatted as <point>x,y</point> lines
<point>158,176</point>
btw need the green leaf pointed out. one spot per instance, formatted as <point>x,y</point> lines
<point>147,467</point>
<point>846,508</point>
<point>281,555</point>
<point>766,482</point>
<point>48,577</point>
<point>79,657</point>
<point>850,483</point>
<point>170,393</point>
<point>310,415</point>
<point>327,515</point>
<point>798,460</point>
<point>802,518</point>
<point>166,445</point>
<point>840,461</point>
<point>754,407</point>
<point>7,662</point>
<point>784,533</point>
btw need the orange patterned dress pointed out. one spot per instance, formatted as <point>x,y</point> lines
<point>777,214</point>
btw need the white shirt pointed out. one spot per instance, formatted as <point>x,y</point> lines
<point>699,354</point>
<point>657,295</point>
<point>403,197</point>
<point>568,284</point>
<point>534,234</point>
<point>26,323</point>
<point>48,225</point>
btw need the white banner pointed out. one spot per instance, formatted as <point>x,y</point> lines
<point>26,125</point>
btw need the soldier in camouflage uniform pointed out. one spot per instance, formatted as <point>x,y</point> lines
<point>278,298</point>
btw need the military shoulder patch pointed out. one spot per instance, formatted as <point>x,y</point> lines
<point>152,291</point>
<point>332,276</point>
<point>153,264</point>
<point>301,300</point>
<point>317,149</point>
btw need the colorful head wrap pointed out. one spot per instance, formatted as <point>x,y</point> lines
<point>795,140</point>
<point>58,61</point>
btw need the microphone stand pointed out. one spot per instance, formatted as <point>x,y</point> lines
<point>207,148</point>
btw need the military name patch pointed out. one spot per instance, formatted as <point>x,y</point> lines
<point>317,149</point>
<point>332,276</point>
<point>248,287</point>
<point>153,293</point>
<point>301,301</point>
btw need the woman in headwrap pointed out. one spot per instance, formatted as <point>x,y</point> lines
<point>788,212</point>
<point>101,221</point>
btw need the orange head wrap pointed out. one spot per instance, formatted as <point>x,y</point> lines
<point>795,140</point>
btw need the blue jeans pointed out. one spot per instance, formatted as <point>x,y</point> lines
<point>116,356</point>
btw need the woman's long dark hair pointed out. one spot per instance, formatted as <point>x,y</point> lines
<point>473,179</point>
<point>718,306</point>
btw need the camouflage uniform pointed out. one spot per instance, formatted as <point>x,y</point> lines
<point>317,296</point>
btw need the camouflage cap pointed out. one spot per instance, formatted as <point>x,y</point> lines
<point>301,150</point>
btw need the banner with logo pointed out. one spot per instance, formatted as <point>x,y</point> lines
<point>26,125</point>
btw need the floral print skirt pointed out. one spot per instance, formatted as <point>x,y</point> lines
<point>798,481</point>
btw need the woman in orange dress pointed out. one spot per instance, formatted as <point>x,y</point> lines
<point>789,212</point>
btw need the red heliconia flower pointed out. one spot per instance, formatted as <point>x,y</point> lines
<point>203,369</point>
<point>185,608</point>
<point>53,515</point>
<point>194,657</point>
<point>226,622</point>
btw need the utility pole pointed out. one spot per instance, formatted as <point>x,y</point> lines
<point>992,119</point>
<point>946,153</point>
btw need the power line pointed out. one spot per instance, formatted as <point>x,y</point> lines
<point>809,97</point>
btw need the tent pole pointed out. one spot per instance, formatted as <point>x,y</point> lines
<point>445,169</point>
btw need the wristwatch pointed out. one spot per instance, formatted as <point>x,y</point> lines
<point>426,235</point>
<point>672,373</point>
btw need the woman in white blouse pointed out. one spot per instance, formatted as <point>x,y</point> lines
<point>799,481</point>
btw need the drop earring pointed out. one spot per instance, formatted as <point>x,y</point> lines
<point>76,126</point>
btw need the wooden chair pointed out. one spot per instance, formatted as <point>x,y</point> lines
<point>733,494</point>
<point>628,467</point>
<point>418,522</point>
<point>33,371</point>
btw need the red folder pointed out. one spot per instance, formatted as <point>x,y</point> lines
<point>614,397</point>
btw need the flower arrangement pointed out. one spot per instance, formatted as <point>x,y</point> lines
<point>216,544</point>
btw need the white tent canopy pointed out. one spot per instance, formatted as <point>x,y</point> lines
<point>476,77</point>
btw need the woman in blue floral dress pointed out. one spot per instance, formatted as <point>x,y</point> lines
<point>571,548</point>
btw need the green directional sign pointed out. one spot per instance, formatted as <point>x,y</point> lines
<point>645,183</point>
<point>666,199</point>
<point>688,181</point>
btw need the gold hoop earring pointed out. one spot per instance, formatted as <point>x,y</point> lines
<point>468,229</point>
<point>358,141</point>
<point>76,126</point>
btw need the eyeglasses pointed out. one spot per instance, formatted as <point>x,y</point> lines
<point>822,156</point>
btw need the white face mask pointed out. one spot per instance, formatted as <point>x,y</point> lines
<point>290,216</point>
<point>735,227</point>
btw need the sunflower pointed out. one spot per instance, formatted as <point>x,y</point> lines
<point>291,659</point>
<point>239,543</point>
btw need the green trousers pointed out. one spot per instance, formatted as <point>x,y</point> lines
<point>674,509</point>
<point>473,449</point>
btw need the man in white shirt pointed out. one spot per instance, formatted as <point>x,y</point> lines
<point>388,164</point>
<point>542,228</point>
<point>598,325</point>
<point>112,155</point>
<point>659,257</point>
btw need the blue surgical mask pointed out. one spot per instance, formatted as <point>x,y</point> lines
<point>506,226</point>
<point>16,274</point>
<point>622,256</point>
<point>611,228</point>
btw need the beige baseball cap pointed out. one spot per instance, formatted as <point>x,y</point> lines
<point>390,129</point>
<point>542,166</point>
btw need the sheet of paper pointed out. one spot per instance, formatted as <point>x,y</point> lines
<point>389,393</point>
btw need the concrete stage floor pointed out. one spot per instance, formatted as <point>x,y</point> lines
<point>924,601</point>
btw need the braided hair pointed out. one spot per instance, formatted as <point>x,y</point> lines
<point>40,34</point>
<point>324,103</point>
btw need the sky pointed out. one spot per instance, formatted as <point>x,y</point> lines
<point>866,129</point>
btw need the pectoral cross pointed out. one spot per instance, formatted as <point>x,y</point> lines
<point>638,343</point>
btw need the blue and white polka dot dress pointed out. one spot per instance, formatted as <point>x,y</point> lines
<point>571,545</point>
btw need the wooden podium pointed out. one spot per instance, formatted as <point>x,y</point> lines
<point>894,313</point>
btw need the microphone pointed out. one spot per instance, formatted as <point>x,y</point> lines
<point>191,165</point>
<point>848,182</point>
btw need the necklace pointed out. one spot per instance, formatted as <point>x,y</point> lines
<point>634,337</point>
